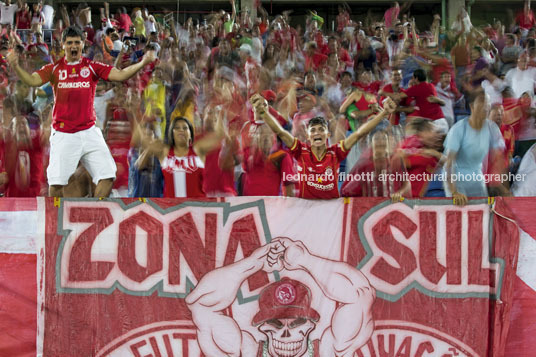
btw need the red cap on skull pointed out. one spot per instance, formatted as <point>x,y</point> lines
<point>285,299</point>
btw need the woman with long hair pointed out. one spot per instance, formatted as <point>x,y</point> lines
<point>182,160</point>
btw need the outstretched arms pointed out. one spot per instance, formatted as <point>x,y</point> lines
<point>33,80</point>
<point>120,75</point>
<point>389,107</point>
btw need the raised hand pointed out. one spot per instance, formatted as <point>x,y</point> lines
<point>260,105</point>
<point>12,58</point>
<point>294,253</point>
<point>149,57</point>
<point>389,106</point>
<point>269,256</point>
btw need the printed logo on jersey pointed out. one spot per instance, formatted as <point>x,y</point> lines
<point>73,85</point>
<point>184,164</point>
<point>85,72</point>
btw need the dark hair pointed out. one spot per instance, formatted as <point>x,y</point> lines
<point>479,93</point>
<point>420,125</point>
<point>109,30</point>
<point>346,73</point>
<point>507,91</point>
<point>170,138</point>
<point>72,31</point>
<point>317,121</point>
<point>420,75</point>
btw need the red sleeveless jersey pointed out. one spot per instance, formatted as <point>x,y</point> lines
<point>183,176</point>
<point>74,91</point>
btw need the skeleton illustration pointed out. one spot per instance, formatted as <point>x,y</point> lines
<point>285,314</point>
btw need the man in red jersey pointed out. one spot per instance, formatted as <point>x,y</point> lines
<point>74,136</point>
<point>425,95</point>
<point>318,164</point>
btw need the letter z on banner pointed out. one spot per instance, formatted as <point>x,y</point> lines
<point>274,277</point>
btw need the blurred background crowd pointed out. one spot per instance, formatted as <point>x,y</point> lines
<point>210,65</point>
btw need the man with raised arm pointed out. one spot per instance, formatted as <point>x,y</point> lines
<point>74,137</point>
<point>318,163</point>
<point>285,316</point>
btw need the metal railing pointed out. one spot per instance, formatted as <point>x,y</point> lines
<point>27,34</point>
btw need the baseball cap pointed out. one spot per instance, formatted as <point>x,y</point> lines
<point>285,299</point>
<point>269,95</point>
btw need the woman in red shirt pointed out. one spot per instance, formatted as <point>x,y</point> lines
<point>23,21</point>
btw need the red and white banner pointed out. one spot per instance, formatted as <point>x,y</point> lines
<point>267,277</point>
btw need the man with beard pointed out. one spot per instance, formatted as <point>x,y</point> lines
<point>285,315</point>
<point>75,138</point>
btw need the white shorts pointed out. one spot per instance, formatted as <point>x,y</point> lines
<point>86,146</point>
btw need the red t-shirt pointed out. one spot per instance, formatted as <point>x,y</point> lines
<point>417,164</point>
<point>507,132</point>
<point>314,62</point>
<point>421,92</point>
<point>364,179</point>
<point>32,158</point>
<point>119,151</point>
<point>444,65</point>
<point>514,113</point>
<point>23,18</point>
<point>264,176</point>
<point>525,22</point>
<point>216,180</point>
<point>74,92</point>
<point>318,177</point>
<point>124,22</point>
<point>372,87</point>
<point>404,102</point>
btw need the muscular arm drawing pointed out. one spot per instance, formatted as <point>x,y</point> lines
<point>218,334</point>
<point>351,324</point>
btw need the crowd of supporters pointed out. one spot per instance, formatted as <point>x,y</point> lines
<point>237,105</point>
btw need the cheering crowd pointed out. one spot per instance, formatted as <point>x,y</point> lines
<point>229,104</point>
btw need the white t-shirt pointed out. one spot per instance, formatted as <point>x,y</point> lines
<point>449,98</point>
<point>150,26</point>
<point>7,13</point>
<point>493,90</point>
<point>526,186</point>
<point>99,103</point>
<point>118,45</point>
<point>256,48</point>
<point>521,81</point>
<point>393,49</point>
<point>48,13</point>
